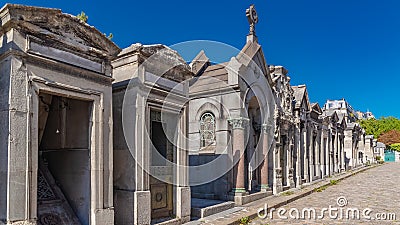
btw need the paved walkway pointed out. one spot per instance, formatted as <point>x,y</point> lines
<point>377,189</point>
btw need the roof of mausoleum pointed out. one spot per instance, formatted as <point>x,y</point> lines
<point>159,59</point>
<point>57,29</point>
<point>300,93</point>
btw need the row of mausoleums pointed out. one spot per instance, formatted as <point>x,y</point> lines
<point>92,134</point>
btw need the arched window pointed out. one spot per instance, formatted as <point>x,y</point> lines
<point>207,129</point>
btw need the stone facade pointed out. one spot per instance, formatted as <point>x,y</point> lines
<point>56,129</point>
<point>150,98</point>
<point>92,134</point>
<point>234,94</point>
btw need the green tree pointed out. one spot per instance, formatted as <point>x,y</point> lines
<point>82,16</point>
<point>377,127</point>
<point>395,147</point>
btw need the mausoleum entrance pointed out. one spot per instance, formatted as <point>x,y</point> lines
<point>162,155</point>
<point>63,193</point>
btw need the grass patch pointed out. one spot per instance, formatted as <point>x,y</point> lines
<point>333,182</point>
<point>287,193</point>
<point>320,189</point>
<point>244,220</point>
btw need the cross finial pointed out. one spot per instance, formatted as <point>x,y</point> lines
<point>252,17</point>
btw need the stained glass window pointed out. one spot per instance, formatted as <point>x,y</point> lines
<point>207,129</point>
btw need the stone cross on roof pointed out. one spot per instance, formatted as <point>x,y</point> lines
<point>252,17</point>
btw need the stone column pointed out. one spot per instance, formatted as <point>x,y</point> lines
<point>142,195</point>
<point>238,147</point>
<point>331,153</point>
<point>323,152</point>
<point>348,148</point>
<point>311,150</point>
<point>304,159</point>
<point>264,166</point>
<point>328,154</point>
<point>277,182</point>
<point>336,153</point>
<point>183,208</point>
<point>290,162</point>
<point>297,158</point>
<point>317,155</point>
<point>342,163</point>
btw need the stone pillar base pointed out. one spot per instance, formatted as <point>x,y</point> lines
<point>104,216</point>
<point>265,188</point>
<point>278,186</point>
<point>298,181</point>
<point>142,208</point>
<point>23,222</point>
<point>238,192</point>
<point>291,182</point>
<point>183,206</point>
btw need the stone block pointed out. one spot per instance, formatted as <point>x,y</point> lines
<point>242,200</point>
<point>104,216</point>
<point>183,204</point>
<point>124,206</point>
<point>142,207</point>
<point>211,210</point>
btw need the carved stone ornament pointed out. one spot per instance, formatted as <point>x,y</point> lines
<point>266,128</point>
<point>238,123</point>
<point>252,17</point>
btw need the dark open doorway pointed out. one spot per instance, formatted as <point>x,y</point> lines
<point>64,160</point>
<point>161,192</point>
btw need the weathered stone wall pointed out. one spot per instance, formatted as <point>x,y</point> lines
<point>124,167</point>
<point>5,68</point>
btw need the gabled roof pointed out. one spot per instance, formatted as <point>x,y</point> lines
<point>158,58</point>
<point>316,108</point>
<point>300,95</point>
<point>199,63</point>
<point>332,115</point>
<point>57,29</point>
<point>380,145</point>
<point>369,136</point>
<point>252,52</point>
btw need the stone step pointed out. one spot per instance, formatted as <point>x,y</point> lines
<point>204,207</point>
<point>53,207</point>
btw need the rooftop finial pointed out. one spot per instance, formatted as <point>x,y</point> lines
<point>252,17</point>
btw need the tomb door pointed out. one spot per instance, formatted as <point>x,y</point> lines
<point>162,155</point>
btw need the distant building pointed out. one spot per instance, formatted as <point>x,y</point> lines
<point>342,108</point>
<point>367,115</point>
<point>379,149</point>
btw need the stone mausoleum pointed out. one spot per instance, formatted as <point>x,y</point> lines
<point>56,143</point>
<point>94,134</point>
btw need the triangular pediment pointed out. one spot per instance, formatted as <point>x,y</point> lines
<point>301,97</point>
<point>316,108</point>
<point>252,52</point>
<point>57,29</point>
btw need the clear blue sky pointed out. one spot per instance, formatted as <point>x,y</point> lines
<point>338,48</point>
